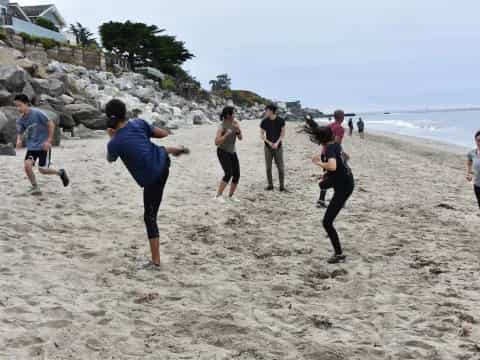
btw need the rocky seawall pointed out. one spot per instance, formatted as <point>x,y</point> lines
<point>75,97</point>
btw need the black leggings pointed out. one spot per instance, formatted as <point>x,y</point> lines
<point>477,192</point>
<point>230,165</point>
<point>340,197</point>
<point>152,198</point>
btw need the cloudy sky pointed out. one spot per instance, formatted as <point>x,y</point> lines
<point>359,55</point>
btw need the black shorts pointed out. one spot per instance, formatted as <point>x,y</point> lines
<point>40,155</point>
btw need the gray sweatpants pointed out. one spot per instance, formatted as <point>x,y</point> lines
<point>277,155</point>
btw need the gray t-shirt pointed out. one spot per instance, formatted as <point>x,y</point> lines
<point>34,128</point>
<point>229,144</point>
<point>474,157</point>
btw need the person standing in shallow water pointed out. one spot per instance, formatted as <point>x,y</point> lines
<point>339,177</point>
<point>227,134</point>
<point>350,126</point>
<point>148,164</point>
<point>361,128</point>
<point>473,167</point>
<point>272,132</point>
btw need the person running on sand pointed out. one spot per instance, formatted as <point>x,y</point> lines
<point>147,163</point>
<point>473,167</point>
<point>339,177</point>
<point>227,134</point>
<point>339,134</point>
<point>361,128</point>
<point>35,130</point>
<point>272,134</point>
<point>350,126</point>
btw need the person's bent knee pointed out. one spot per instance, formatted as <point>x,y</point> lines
<point>236,180</point>
<point>42,170</point>
<point>28,164</point>
<point>227,178</point>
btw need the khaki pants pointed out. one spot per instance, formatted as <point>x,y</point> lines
<point>277,155</point>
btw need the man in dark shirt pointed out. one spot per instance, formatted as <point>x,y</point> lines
<point>272,134</point>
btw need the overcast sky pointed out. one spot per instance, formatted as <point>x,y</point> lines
<point>358,55</point>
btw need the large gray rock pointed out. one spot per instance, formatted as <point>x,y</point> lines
<point>13,78</point>
<point>8,56</point>
<point>8,125</point>
<point>29,66</point>
<point>87,115</point>
<point>7,150</point>
<point>6,98</point>
<point>52,87</point>
<point>30,92</point>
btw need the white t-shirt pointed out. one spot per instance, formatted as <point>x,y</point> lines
<point>474,157</point>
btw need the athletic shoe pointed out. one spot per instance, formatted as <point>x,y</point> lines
<point>34,191</point>
<point>220,199</point>
<point>150,266</point>
<point>335,259</point>
<point>234,199</point>
<point>269,188</point>
<point>283,189</point>
<point>64,177</point>
<point>322,204</point>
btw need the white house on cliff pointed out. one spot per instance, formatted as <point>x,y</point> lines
<point>22,19</point>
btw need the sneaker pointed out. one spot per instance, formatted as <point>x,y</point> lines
<point>220,199</point>
<point>322,204</point>
<point>234,199</point>
<point>63,175</point>
<point>149,266</point>
<point>335,259</point>
<point>269,188</point>
<point>34,191</point>
<point>283,189</point>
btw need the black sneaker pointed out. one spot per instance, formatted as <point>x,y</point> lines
<point>269,188</point>
<point>283,189</point>
<point>64,177</point>
<point>322,204</point>
<point>335,259</point>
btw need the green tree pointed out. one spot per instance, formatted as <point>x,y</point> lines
<point>222,83</point>
<point>47,24</point>
<point>144,45</point>
<point>83,36</point>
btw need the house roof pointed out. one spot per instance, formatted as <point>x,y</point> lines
<point>37,11</point>
<point>16,11</point>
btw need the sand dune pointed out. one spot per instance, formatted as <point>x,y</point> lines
<point>248,280</point>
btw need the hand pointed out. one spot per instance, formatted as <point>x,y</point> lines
<point>19,144</point>
<point>111,132</point>
<point>236,125</point>
<point>228,132</point>
<point>316,159</point>
<point>47,145</point>
<point>469,177</point>
<point>275,146</point>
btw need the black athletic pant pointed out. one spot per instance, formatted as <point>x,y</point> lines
<point>477,192</point>
<point>230,165</point>
<point>152,198</point>
<point>340,197</point>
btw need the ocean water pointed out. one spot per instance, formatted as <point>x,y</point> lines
<point>453,127</point>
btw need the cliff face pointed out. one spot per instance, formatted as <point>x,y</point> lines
<point>74,96</point>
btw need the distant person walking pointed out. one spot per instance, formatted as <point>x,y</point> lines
<point>272,134</point>
<point>361,128</point>
<point>339,177</point>
<point>227,134</point>
<point>338,133</point>
<point>350,126</point>
<point>36,130</point>
<point>473,167</point>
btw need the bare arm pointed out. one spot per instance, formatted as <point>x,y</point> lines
<point>282,136</point>
<point>264,137</point>
<point>19,141</point>
<point>160,133</point>
<point>51,131</point>
<point>239,134</point>
<point>469,170</point>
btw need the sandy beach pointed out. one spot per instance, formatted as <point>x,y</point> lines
<point>242,281</point>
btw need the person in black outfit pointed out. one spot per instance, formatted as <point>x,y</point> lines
<point>350,127</point>
<point>272,134</point>
<point>339,177</point>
